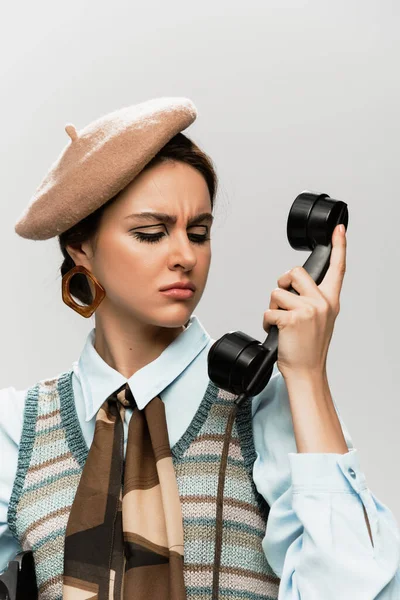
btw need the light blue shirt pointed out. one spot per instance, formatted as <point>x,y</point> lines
<point>316,538</point>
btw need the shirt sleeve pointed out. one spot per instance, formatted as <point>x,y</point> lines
<point>12,404</point>
<point>316,540</point>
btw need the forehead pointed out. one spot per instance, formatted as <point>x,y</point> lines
<point>167,185</point>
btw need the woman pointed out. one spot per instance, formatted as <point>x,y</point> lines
<point>111,467</point>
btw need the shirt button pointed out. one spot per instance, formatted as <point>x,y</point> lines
<point>352,473</point>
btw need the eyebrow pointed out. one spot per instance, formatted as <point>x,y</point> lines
<point>170,219</point>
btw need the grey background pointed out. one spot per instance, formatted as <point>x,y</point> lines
<point>291,96</point>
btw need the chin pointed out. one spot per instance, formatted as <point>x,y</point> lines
<point>176,316</point>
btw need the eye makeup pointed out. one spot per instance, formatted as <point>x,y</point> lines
<point>156,237</point>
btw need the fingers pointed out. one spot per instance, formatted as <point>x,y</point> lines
<point>331,285</point>
<point>272,317</point>
<point>283,299</point>
<point>301,281</point>
<point>329,289</point>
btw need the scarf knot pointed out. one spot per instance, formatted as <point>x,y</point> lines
<point>123,396</point>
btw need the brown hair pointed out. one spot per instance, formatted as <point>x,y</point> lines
<point>179,148</point>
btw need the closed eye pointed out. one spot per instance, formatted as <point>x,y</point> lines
<point>156,237</point>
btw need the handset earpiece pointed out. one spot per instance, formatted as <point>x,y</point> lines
<point>241,364</point>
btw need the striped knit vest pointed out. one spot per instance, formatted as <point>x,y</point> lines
<point>51,457</point>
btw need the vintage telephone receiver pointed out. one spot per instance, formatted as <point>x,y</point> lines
<point>242,365</point>
<point>237,362</point>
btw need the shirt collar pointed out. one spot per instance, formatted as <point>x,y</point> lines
<point>99,379</point>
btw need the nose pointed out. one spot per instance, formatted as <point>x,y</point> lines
<point>181,252</point>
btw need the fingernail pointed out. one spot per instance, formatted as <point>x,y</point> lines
<point>341,228</point>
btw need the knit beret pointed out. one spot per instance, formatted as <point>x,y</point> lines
<point>99,161</point>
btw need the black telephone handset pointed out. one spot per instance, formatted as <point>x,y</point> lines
<point>239,363</point>
<point>18,581</point>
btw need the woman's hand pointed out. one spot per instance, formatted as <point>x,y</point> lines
<point>306,326</point>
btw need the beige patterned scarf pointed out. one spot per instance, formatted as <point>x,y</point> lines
<point>124,538</point>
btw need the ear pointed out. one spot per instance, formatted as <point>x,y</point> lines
<point>80,253</point>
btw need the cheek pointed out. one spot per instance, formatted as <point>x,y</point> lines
<point>125,264</point>
<point>204,260</point>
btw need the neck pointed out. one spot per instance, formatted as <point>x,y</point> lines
<point>128,345</point>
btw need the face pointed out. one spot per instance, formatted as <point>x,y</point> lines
<point>133,257</point>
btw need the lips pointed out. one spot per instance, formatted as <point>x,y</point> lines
<point>181,285</point>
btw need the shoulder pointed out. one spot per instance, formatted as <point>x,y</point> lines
<point>12,405</point>
<point>272,420</point>
<point>269,394</point>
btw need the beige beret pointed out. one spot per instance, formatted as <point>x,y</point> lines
<point>99,161</point>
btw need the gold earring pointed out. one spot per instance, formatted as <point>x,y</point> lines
<point>85,311</point>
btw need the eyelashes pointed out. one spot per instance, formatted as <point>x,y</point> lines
<point>156,237</point>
